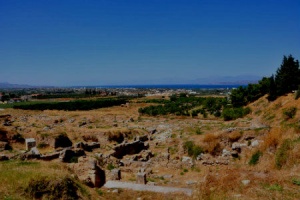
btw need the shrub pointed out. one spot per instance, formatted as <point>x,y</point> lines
<point>234,113</point>
<point>52,189</point>
<point>255,158</point>
<point>289,113</point>
<point>192,149</point>
<point>281,156</point>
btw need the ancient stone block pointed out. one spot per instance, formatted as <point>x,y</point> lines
<point>115,174</point>
<point>141,177</point>
<point>89,172</point>
<point>30,143</point>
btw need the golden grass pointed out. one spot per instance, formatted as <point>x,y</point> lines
<point>234,136</point>
<point>211,143</point>
<point>15,175</point>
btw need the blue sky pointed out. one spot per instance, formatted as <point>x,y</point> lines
<point>104,42</point>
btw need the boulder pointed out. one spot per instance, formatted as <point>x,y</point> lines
<point>254,143</point>
<point>186,159</point>
<point>238,146</point>
<point>226,153</point>
<point>245,182</point>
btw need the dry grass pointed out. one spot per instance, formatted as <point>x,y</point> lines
<point>220,182</point>
<point>18,174</point>
<point>211,143</point>
<point>272,140</point>
<point>234,136</point>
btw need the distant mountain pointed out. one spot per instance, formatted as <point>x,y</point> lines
<point>228,80</point>
<point>212,80</point>
<point>6,85</point>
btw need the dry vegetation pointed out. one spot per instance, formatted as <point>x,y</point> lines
<point>275,173</point>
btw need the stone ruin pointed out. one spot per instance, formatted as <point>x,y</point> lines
<point>141,176</point>
<point>30,143</point>
<point>89,172</point>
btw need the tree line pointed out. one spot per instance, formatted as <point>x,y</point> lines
<point>285,80</point>
<point>73,105</point>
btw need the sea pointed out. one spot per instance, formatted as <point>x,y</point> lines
<point>170,86</point>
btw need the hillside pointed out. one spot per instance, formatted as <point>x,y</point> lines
<point>255,157</point>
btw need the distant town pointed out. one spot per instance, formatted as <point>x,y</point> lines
<point>15,95</point>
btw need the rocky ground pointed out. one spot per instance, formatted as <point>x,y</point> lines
<point>117,144</point>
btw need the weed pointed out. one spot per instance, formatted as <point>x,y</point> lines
<point>110,166</point>
<point>281,156</point>
<point>150,179</point>
<point>255,158</point>
<point>198,131</point>
<point>100,192</point>
<point>289,113</point>
<point>296,181</point>
<point>258,112</point>
<point>196,169</point>
<point>274,187</point>
<point>185,170</point>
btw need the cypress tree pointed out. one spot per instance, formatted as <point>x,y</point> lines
<point>287,76</point>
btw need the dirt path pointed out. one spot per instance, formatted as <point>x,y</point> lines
<point>151,188</point>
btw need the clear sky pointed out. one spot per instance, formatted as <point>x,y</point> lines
<point>103,42</point>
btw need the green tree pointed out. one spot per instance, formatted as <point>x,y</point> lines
<point>238,97</point>
<point>287,77</point>
<point>272,90</point>
<point>265,85</point>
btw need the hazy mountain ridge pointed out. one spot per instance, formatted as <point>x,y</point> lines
<point>215,80</point>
